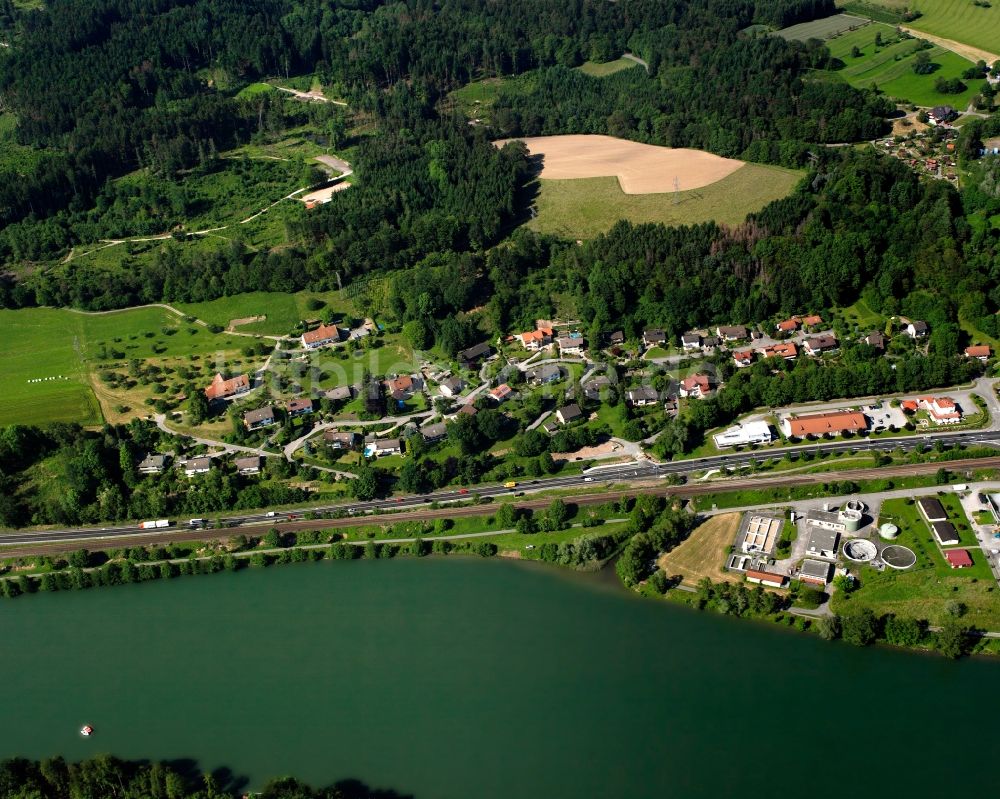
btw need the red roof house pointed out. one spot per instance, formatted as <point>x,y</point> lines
<point>221,388</point>
<point>958,558</point>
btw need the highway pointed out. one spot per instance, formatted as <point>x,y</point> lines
<point>642,474</point>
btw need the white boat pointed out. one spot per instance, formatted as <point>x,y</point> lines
<point>86,730</point>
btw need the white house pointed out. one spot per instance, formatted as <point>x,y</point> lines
<point>743,434</point>
<point>197,466</point>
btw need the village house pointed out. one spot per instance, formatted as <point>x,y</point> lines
<point>321,336</point>
<point>222,389</point>
<point>196,466</point>
<point>877,340</point>
<point>742,358</point>
<point>451,386</point>
<point>978,351</point>
<point>543,375</point>
<point>468,409</point>
<point>434,432</point>
<point>501,393</point>
<point>596,387</point>
<point>710,342</point>
<point>403,387</point>
<point>473,356</point>
<point>817,345</point>
<point>788,325</point>
<point>941,410</point>
<point>697,386</point>
<point>917,330</point>
<point>536,339</point>
<point>834,423</point>
<point>152,464</point>
<point>787,350</point>
<point>261,417</point>
<point>811,321</point>
<point>641,397</point>
<point>340,439</point>
<point>569,413</point>
<point>570,345</point>
<point>299,406</point>
<point>731,332</point>
<point>617,338</point>
<point>248,465</point>
<point>339,394</point>
<point>691,341</point>
<point>380,447</point>
<point>654,338</point>
<point>941,115</point>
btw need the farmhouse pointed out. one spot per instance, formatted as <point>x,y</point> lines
<point>731,332</point>
<point>691,341</point>
<point>299,406</point>
<point>979,351</point>
<point>152,464</point>
<point>501,393</point>
<point>766,578</point>
<point>340,439</point>
<point>451,386</point>
<point>815,572</point>
<point>569,413</point>
<point>248,465</point>
<point>641,397</point>
<point>829,423</point>
<point>696,386</point>
<point>471,357</point>
<point>743,358</point>
<point>262,417</point>
<point>536,339</point>
<point>321,336</point>
<point>917,329</point>
<point>787,350</point>
<point>221,389</point>
<point>434,432</point>
<point>197,466</point>
<point>817,345</point>
<point>941,410</point>
<point>743,434</point>
<point>958,558</point>
<point>932,510</point>
<point>654,338</point>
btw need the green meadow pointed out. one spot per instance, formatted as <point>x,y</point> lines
<point>959,20</point>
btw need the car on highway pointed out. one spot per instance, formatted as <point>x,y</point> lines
<point>463,491</point>
<point>588,479</point>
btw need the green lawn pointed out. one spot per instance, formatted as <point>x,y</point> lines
<point>824,28</point>
<point>890,67</point>
<point>959,20</point>
<point>586,207</point>
<point>607,68</point>
<point>282,311</point>
<point>925,591</point>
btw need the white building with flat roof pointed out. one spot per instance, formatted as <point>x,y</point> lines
<point>742,434</point>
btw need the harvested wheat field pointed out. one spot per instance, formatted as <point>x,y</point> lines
<point>704,552</point>
<point>640,168</point>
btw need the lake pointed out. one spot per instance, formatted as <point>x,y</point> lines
<point>451,678</point>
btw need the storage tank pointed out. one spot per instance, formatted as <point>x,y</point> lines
<point>851,519</point>
<point>888,531</point>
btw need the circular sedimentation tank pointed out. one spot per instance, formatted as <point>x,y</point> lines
<point>851,519</point>
<point>860,550</point>
<point>898,557</point>
<point>855,505</point>
<point>888,531</point>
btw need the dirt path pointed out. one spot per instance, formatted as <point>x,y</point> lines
<point>965,50</point>
<point>310,97</point>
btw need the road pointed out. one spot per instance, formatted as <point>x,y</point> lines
<point>639,477</point>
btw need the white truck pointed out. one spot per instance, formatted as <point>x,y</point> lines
<point>154,524</point>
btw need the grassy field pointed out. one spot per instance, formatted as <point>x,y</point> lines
<point>50,355</point>
<point>890,67</point>
<point>825,28</point>
<point>959,20</point>
<point>703,553</point>
<point>607,68</point>
<point>925,591</point>
<point>586,207</point>
<point>282,311</point>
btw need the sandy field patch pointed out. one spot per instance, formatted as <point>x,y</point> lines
<point>324,195</point>
<point>246,320</point>
<point>640,168</point>
<point>964,50</point>
<point>704,552</point>
<point>586,453</point>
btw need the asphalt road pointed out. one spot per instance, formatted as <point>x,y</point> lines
<point>639,473</point>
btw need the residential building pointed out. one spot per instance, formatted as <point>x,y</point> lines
<point>978,351</point>
<point>434,432</point>
<point>691,341</point>
<point>932,510</point>
<point>958,558</point>
<point>813,320</point>
<point>451,386</point>
<point>152,464</point>
<point>835,423</point>
<point>696,386</point>
<point>501,393</point>
<point>405,386</point>
<point>654,338</point>
<point>617,338</point>
<point>941,114</point>
<point>197,466</point>
<point>945,533</point>
<point>941,410</point>
<point>340,439</point>
<point>731,332</point>
<point>339,394</point>
<point>299,406</point>
<point>710,342</point>
<point>473,356</point>
<point>769,579</point>
<point>788,325</point>
<point>786,350</point>
<point>542,375</point>
<point>641,397</point>
<point>380,447</point>
<point>570,345</point>
<point>877,340</point>
<point>815,572</point>
<point>569,413</point>
<point>222,389</point>
<point>742,358</point>
<point>744,434</point>
<point>248,465</point>
<point>823,543</point>
<point>321,336</point>
<point>917,329</point>
<point>468,409</point>
<point>595,388</point>
<point>536,339</point>
<point>261,417</point>
<point>817,345</point>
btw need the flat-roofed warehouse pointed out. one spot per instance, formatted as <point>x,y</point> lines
<point>816,572</point>
<point>945,533</point>
<point>932,510</point>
